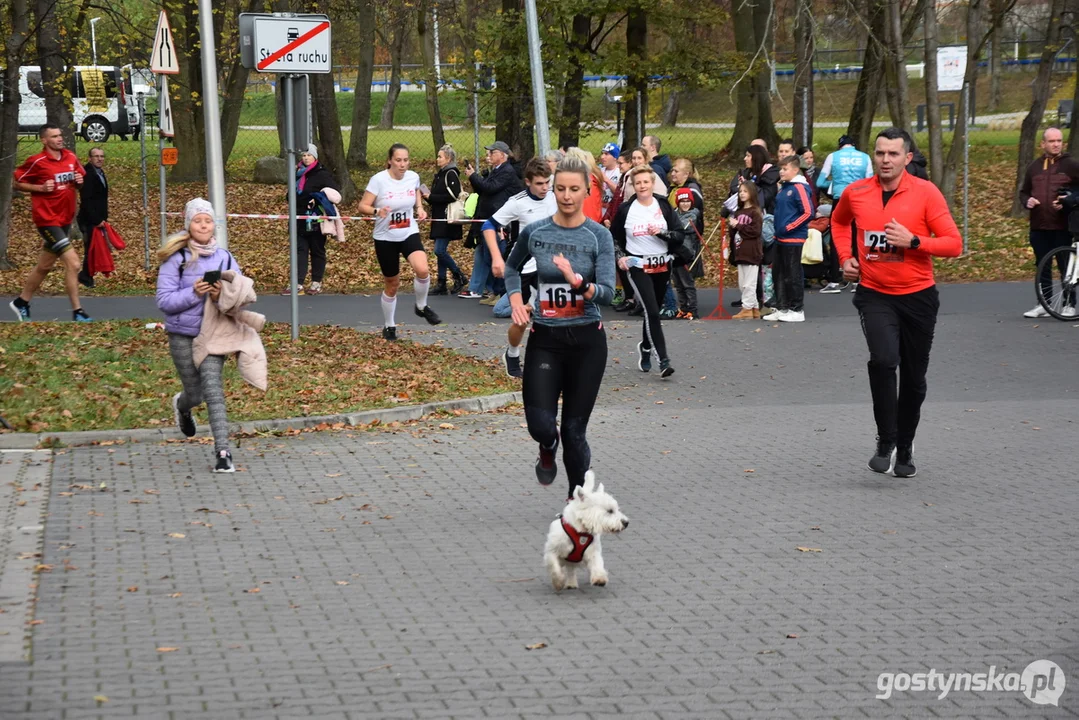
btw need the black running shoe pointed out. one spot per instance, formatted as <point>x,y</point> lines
<point>513,365</point>
<point>80,316</point>
<point>665,369</point>
<point>904,462</point>
<point>884,459</point>
<point>184,421</point>
<point>429,315</point>
<point>389,333</point>
<point>546,467</point>
<point>224,463</point>
<point>85,278</point>
<point>644,357</point>
<point>636,311</point>
<point>21,308</point>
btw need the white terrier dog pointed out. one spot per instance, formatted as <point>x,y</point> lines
<point>574,535</point>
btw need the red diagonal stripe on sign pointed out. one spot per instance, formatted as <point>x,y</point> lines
<point>293,45</point>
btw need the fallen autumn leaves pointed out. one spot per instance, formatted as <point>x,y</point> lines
<point>107,375</point>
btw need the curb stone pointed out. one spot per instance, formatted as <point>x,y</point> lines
<point>484,403</point>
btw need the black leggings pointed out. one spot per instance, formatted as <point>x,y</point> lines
<point>567,362</point>
<point>313,244</point>
<point>899,332</point>
<point>650,289</point>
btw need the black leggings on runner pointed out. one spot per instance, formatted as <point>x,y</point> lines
<point>567,362</point>
<point>650,289</point>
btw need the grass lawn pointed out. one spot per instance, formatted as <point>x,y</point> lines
<point>107,375</point>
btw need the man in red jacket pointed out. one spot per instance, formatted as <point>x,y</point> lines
<point>1055,169</point>
<point>52,178</point>
<point>899,222</point>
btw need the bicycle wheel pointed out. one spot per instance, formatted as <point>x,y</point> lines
<point>1057,290</point>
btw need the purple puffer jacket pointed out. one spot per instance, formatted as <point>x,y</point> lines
<point>176,293</point>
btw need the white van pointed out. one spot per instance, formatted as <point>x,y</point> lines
<point>103,102</point>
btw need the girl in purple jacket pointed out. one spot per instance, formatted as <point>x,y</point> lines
<point>182,290</point>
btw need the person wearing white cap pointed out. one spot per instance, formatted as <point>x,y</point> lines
<point>190,271</point>
<point>393,197</point>
<point>313,181</point>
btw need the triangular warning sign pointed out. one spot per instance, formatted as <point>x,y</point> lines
<point>164,103</point>
<point>163,59</point>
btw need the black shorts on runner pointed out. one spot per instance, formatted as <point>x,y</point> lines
<point>389,253</point>
<point>57,240</point>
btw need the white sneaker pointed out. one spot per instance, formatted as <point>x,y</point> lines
<point>1036,312</point>
<point>774,315</point>
<point>793,316</point>
<point>1069,311</point>
<point>831,289</point>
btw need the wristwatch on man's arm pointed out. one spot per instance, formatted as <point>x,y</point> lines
<point>915,242</point>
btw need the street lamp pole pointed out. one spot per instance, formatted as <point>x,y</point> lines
<point>93,38</point>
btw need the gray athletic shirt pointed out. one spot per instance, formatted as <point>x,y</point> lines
<point>590,250</point>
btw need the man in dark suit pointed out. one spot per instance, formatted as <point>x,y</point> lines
<point>93,206</point>
<point>501,183</point>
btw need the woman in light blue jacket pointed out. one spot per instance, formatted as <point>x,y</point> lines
<point>182,288</point>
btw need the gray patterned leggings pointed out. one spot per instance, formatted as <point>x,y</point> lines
<point>202,383</point>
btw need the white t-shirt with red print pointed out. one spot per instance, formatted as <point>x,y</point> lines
<point>400,197</point>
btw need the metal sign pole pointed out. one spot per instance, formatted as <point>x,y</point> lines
<point>161,165</point>
<point>539,90</point>
<point>215,164</point>
<point>145,183</point>
<point>290,125</point>
<point>966,168</point>
<point>476,115</point>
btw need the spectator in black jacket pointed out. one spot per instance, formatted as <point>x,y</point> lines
<point>445,189</point>
<point>312,180</point>
<point>93,206</point>
<point>811,171</point>
<point>500,183</point>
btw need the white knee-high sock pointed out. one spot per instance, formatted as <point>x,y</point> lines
<point>389,307</point>
<point>421,288</point>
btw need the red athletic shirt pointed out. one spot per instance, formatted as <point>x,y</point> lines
<point>916,205</point>
<point>54,208</point>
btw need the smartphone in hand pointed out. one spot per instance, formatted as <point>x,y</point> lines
<point>212,277</point>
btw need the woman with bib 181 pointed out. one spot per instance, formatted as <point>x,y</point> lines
<point>393,197</point>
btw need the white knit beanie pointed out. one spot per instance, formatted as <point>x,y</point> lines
<point>312,150</point>
<point>198,206</point>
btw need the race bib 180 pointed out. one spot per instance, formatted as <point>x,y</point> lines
<point>557,300</point>
<point>877,248</point>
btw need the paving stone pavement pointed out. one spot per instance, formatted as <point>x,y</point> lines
<point>399,570</point>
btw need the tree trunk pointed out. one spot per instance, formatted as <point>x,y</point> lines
<point>186,92</point>
<point>671,108</point>
<point>803,74</point>
<point>867,96</point>
<point>569,123</point>
<point>637,82</point>
<point>994,62</point>
<point>231,105</point>
<point>1041,88</point>
<point>514,117</point>
<point>763,22</point>
<point>56,79</point>
<point>898,87</point>
<point>397,46</point>
<point>14,55</point>
<point>745,119</point>
<point>975,14</point>
<point>332,150</point>
<point>430,85</point>
<point>932,96</point>
<point>361,109</point>
<point>1073,136</point>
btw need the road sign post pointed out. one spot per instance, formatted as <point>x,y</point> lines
<point>162,94</point>
<point>145,182</point>
<point>293,46</point>
<point>215,163</point>
<point>163,62</point>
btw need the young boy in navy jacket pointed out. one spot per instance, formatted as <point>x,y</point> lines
<point>794,210</point>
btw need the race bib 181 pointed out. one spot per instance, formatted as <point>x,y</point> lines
<point>877,248</point>
<point>557,300</point>
<point>400,219</point>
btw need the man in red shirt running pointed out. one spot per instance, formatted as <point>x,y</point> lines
<point>898,222</point>
<point>52,178</point>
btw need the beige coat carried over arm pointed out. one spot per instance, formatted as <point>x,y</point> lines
<point>228,329</point>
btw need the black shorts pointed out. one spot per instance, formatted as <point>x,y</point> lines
<point>389,253</point>
<point>57,240</point>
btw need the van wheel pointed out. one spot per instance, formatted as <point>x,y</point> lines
<point>96,130</point>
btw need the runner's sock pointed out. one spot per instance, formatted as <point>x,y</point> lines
<point>514,351</point>
<point>421,287</point>
<point>389,307</point>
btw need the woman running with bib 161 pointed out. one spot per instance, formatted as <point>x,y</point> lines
<point>393,196</point>
<point>567,349</point>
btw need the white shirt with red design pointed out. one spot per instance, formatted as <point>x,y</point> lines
<point>400,197</point>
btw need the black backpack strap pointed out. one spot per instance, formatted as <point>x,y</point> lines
<point>183,259</point>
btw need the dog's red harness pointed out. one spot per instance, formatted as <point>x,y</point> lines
<point>580,541</point>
